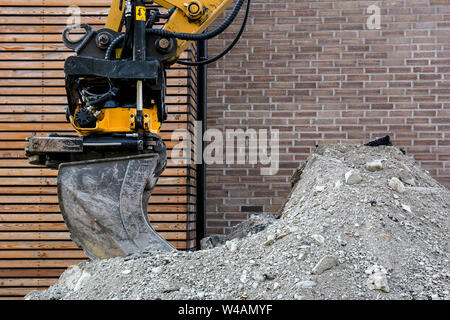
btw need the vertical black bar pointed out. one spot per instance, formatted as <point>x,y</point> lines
<point>139,49</point>
<point>139,17</point>
<point>202,53</point>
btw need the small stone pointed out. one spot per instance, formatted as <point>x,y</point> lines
<point>385,237</point>
<point>172,289</point>
<point>301,256</point>
<point>305,284</point>
<point>271,237</point>
<point>375,165</point>
<point>338,184</point>
<point>377,278</point>
<point>201,295</point>
<point>341,241</point>
<point>282,235</point>
<point>318,238</point>
<point>260,277</point>
<point>157,270</point>
<point>231,245</point>
<point>396,185</point>
<point>276,286</point>
<point>126,271</point>
<point>207,243</point>
<point>324,264</point>
<point>270,240</point>
<point>320,188</point>
<point>352,177</point>
<point>406,208</point>
<point>406,177</point>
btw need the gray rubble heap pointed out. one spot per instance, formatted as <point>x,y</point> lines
<point>360,223</point>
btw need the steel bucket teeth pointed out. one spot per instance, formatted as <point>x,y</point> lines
<point>104,204</point>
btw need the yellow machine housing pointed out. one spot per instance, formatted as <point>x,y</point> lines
<point>115,120</point>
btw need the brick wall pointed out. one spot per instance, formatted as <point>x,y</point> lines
<point>313,70</point>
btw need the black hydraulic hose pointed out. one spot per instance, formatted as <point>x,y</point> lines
<point>230,46</point>
<point>113,45</point>
<point>152,19</point>
<point>129,33</point>
<point>203,36</point>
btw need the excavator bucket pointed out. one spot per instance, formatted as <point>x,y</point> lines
<point>104,204</point>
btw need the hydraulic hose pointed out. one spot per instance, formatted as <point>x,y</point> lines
<point>113,45</point>
<point>203,36</point>
<point>224,52</point>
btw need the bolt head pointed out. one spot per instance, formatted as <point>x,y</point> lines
<point>164,43</point>
<point>193,8</point>
<point>103,39</point>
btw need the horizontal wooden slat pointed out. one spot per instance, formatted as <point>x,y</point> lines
<point>41,263</point>
<point>34,236</point>
<point>42,254</point>
<point>57,245</point>
<point>54,199</point>
<point>39,10</point>
<point>53,208</point>
<point>6,227</point>
<point>169,172</point>
<point>23,163</point>
<point>19,292</point>
<point>52,190</point>
<point>45,181</point>
<point>57,236</point>
<point>42,245</point>
<point>24,282</point>
<point>57,217</point>
<point>17,273</point>
<point>38,20</point>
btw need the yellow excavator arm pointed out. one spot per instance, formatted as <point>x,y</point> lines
<point>115,87</point>
<point>189,16</point>
<point>142,40</point>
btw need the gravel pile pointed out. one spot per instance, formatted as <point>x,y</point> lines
<point>360,223</point>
